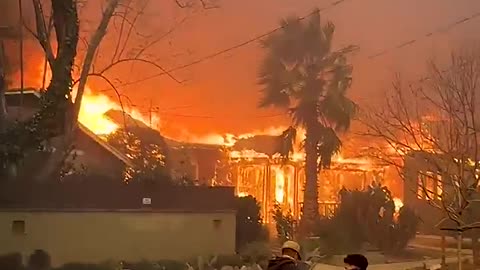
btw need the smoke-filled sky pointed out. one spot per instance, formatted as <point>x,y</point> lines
<point>221,95</point>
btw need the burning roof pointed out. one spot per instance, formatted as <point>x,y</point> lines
<point>267,144</point>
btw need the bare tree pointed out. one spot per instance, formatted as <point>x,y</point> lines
<point>432,131</point>
<point>3,88</point>
<point>127,14</point>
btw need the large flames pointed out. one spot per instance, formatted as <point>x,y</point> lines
<point>95,106</point>
<point>93,116</point>
<point>93,113</point>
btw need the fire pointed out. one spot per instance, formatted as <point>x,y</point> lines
<point>279,184</point>
<point>93,109</point>
<point>95,105</point>
<point>398,204</point>
<point>212,139</point>
<point>243,194</point>
<point>92,113</point>
<point>247,154</point>
<point>229,139</point>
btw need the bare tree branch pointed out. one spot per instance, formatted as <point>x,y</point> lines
<point>87,63</point>
<point>433,126</point>
<point>42,31</point>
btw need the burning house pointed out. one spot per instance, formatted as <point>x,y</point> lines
<point>257,169</point>
<point>253,164</point>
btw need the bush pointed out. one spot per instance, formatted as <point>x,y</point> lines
<point>285,224</point>
<point>39,260</point>
<point>249,222</point>
<point>368,217</point>
<point>11,261</point>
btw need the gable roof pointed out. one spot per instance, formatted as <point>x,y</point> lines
<point>105,145</point>
<point>31,93</point>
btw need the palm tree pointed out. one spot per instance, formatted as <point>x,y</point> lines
<point>301,74</point>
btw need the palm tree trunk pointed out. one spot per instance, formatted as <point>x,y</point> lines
<point>310,208</point>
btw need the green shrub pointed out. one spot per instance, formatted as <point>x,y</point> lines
<point>285,223</point>
<point>249,222</point>
<point>367,217</point>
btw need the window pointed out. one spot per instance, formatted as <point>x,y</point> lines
<point>18,227</point>
<point>217,223</point>
<point>429,186</point>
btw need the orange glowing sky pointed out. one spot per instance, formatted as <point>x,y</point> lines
<point>221,95</point>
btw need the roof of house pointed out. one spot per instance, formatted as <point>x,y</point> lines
<point>110,196</point>
<point>105,145</point>
<point>12,97</point>
<point>150,135</point>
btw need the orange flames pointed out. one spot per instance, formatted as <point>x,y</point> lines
<point>92,113</point>
<point>398,204</point>
<point>94,107</point>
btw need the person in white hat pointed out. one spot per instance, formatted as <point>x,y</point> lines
<point>289,259</point>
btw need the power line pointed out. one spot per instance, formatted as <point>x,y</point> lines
<point>401,45</point>
<point>232,48</point>
<point>411,42</point>
<point>164,113</point>
<point>404,44</point>
<point>223,116</point>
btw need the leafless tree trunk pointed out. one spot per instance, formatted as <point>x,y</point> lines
<point>58,94</point>
<point>3,89</point>
<point>55,162</point>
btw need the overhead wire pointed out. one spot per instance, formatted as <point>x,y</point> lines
<point>229,49</point>
<point>411,42</point>
<point>383,52</point>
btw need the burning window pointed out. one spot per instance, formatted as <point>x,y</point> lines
<point>250,181</point>
<point>429,186</point>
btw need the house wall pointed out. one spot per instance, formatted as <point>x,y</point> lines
<point>100,236</point>
<point>429,215</point>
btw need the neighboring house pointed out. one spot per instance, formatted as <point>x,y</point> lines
<point>195,161</point>
<point>423,185</point>
<point>90,151</point>
<point>416,172</point>
<point>96,222</point>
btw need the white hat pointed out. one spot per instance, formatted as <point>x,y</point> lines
<point>292,245</point>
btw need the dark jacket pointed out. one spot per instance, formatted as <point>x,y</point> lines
<point>282,263</point>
